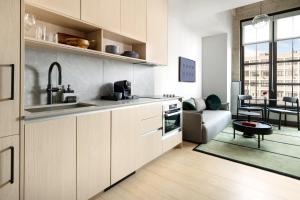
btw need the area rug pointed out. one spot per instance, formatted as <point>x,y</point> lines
<point>279,152</point>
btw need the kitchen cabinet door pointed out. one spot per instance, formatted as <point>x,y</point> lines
<point>157,31</point>
<point>134,19</point>
<point>124,143</point>
<point>150,147</point>
<point>9,160</point>
<point>104,13</point>
<point>149,133</point>
<point>171,140</point>
<point>67,7</point>
<point>50,159</point>
<point>93,154</point>
<point>9,67</point>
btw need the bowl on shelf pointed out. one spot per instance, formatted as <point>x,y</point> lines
<point>73,40</point>
<point>77,42</point>
<point>111,49</point>
<point>131,54</point>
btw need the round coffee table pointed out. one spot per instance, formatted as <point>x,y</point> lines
<point>260,129</point>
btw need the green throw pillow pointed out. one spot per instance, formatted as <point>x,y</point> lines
<point>189,105</point>
<point>213,102</point>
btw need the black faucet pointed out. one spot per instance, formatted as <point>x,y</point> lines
<point>51,89</point>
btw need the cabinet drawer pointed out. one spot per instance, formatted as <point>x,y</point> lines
<point>9,158</point>
<point>150,147</point>
<point>151,124</point>
<point>150,111</point>
<point>171,140</point>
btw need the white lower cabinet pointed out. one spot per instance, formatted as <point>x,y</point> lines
<point>123,143</point>
<point>171,140</point>
<point>149,133</point>
<point>9,168</point>
<point>136,138</point>
<point>77,157</point>
<point>50,159</point>
<point>150,147</point>
<point>93,154</point>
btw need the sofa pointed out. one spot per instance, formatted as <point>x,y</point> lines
<point>201,125</point>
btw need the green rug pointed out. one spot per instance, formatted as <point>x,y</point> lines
<point>279,152</point>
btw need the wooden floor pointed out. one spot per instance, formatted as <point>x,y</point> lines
<point>184,174</point>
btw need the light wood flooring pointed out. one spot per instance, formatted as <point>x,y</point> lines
<point>183,174</point>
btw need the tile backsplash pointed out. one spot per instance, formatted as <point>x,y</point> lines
<point>88,76</point>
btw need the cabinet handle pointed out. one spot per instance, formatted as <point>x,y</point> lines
<point>12,95</point>
<point>12,164</point>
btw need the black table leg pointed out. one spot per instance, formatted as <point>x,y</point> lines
<point>265,109</point>
<point>258,140</point>
<point>263,137</point>
<point>233,133</point>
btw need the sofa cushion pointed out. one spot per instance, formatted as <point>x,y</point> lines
<point>213,102</point>
<point>214,122</point>
<point>189,104</point>
<point>200,104</point>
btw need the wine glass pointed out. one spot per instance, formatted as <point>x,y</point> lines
<point>29,21</point>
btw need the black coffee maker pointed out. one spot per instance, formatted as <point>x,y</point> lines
<point>123,87</point>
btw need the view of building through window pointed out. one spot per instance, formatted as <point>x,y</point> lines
<point>277,73</point>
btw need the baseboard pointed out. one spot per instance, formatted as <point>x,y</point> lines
<point>113,185</point>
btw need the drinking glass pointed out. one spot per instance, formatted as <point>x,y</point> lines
<point>41,32</point>
<point>29,21</point>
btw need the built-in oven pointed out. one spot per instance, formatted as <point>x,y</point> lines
<point>172,120</point>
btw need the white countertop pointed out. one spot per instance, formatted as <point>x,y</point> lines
<point>98,106</point>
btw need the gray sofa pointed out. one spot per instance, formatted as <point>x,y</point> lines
<point>202,125</point>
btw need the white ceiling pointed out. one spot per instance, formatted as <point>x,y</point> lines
<point>202,13</point>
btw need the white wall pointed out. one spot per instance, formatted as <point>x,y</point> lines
<point>217,54</point>
<point>214,62</point>
<point>185,40</point>
<point>182,42</point>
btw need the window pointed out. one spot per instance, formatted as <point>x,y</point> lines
<point>270,57</point>
<point>287,48</point>
<point>256,59</point>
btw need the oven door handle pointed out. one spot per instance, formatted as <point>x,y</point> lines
<point>172,114</point>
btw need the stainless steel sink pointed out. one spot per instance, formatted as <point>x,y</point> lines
<point>58,107</point>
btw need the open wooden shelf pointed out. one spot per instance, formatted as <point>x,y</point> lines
<point>58,22</point>
<point>31,42</point>
<point>53,17</point>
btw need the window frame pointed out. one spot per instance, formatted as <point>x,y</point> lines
<point>272,93</point>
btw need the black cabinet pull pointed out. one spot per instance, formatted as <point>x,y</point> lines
<point>12,164</point>
<point>12,82</point>
<point>12,94</point>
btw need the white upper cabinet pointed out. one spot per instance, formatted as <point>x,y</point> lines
<point>157,31</point>
<point>104,13</point>
<point>67,7</point>
<point>134,19</point>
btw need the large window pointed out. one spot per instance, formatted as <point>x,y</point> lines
<point>256,59</point>
<point>270,57</point>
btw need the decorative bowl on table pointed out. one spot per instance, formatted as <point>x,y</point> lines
<point>250,124</point>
